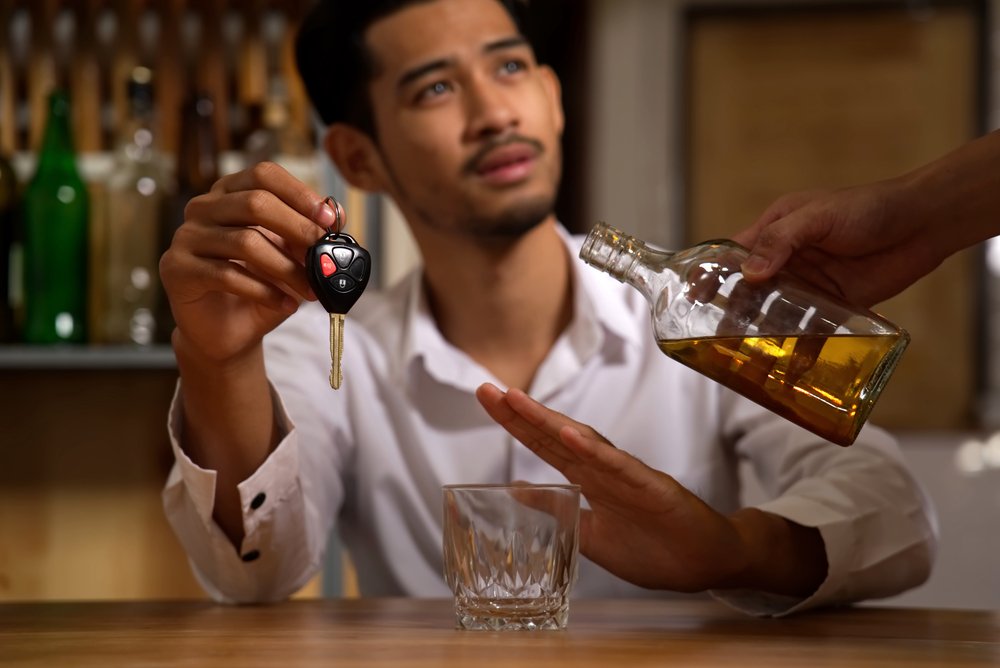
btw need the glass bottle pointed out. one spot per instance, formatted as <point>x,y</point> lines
<point>197,165</point>
<point>197,168</point>
<point>137,195</point>
<point>278,140</point>
<point>56,216</point>
<point>8,250</point>
<point>800,353</point>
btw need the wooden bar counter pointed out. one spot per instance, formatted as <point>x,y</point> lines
<point>410,632</point>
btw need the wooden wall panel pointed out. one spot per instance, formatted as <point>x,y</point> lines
<point>83,458</point>
<point>788,100</point>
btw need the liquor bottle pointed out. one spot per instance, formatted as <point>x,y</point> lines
<point>210,72</point>
<point>197,164</point>
<point>55,213</point>
<point>800,353</point>
<point>171,67</point>
<point>125,56</point>
<point>197,168</point>
<point>279,140</point>
<point>137,194</point>
<point>251,78</point>
<point>86,78</point>
<point>8,251</point>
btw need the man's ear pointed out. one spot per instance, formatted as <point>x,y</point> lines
<point>553,89</point>
<point>356,157</point>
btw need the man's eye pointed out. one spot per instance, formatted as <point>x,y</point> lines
<point>513,67</point>
<point>435,89</point>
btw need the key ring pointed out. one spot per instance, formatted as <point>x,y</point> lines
<point>338,222</point>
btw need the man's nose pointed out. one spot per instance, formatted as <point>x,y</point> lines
<point>490,107</point>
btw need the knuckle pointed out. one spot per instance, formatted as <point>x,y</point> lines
<point>770,237</point>
<point>257,203</point>
<point>166,265</point>
<point>182,236</point>
<point>248,240</point>
<point>264,172</point>
<point>196,206</point>
<point>226,274</point>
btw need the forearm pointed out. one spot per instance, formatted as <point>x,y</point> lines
<point>958,196</point>
<point>781,557</point>
<point>229,424</point>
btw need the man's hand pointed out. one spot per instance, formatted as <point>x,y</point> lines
<point>870,242</point>
<point>859,243</point>
<point>646,528</point>
<point>234,270</point>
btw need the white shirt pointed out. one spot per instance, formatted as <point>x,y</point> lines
<point>371,457</point>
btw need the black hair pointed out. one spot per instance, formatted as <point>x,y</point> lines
<point>334,62</point>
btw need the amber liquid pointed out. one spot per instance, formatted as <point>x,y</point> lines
<point>827,384</point>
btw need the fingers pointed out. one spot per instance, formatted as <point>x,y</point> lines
<point>545,419</point>
<point>274,179</point>
<point>206,275</point>
<point>249,246</point>
<point>261,220</point>
<point>268,197</point>
<point>546,446</point>
<point>779,232</point>
<point>543,500</point>
<point>562,442</point>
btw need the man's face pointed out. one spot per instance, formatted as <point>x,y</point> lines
<point>468,124</point>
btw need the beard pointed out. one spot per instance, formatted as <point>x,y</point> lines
<point>513,222</point>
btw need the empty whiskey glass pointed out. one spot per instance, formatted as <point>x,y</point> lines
<point>510,554</point>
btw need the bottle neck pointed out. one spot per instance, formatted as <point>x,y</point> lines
<point>624,257</point>
<point>197,159</point>
<point>57,152</point>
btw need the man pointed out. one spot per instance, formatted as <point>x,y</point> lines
<point>870,242</point>
<point>441,105</point>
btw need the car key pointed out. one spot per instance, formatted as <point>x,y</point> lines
<point>338,269</point>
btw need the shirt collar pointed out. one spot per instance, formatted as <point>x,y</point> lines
<point>603,310</point>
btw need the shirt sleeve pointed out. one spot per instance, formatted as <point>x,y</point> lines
<point>877,523</point>
<point>284,539</point>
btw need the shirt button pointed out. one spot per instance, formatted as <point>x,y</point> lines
<point>252,555</point>
<point>258,501</point>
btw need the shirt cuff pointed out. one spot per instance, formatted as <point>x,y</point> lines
<point>272,482</point>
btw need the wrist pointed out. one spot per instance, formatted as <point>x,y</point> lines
<point>777,555</point>
<point>228,413</point>
<point>193,361</point>
<point>954,199</point>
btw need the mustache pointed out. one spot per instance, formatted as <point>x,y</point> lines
<point>471,165</point>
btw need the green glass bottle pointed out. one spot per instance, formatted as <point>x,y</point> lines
<point>56,209</point>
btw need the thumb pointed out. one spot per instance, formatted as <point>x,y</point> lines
<point>777,242</point>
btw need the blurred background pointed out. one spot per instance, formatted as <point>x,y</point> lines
<point>685,119</point>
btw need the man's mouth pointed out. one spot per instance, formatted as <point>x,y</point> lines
<point>507,163</point>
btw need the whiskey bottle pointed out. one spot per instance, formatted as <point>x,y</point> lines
<point>279,140</point>
<point>800,353</point>
<point>55,213</point>
<point>197,168</point>
<point>137,194</point>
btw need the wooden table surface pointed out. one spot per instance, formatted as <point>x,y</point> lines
<point>410,632</point>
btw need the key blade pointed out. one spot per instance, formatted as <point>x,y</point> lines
<point>336,349</point>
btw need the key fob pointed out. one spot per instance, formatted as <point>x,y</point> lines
<point>338,269</point>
